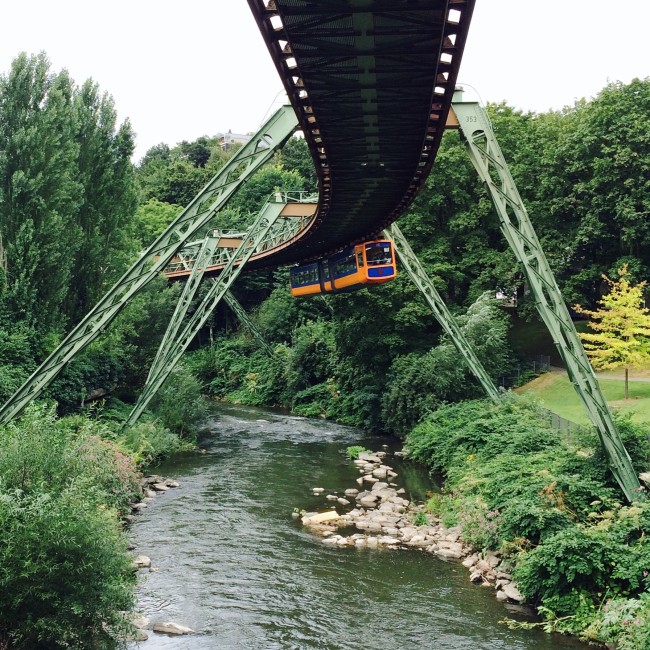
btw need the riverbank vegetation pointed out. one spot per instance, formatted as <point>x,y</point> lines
<point>75,212</point>
<point>547,502</point>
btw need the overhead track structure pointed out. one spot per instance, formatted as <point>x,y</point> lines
<point>371,82</point>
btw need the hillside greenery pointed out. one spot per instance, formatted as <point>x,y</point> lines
<point>75,213</point>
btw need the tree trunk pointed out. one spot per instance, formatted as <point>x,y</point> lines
<point>626,393</point>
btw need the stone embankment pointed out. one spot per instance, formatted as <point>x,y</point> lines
<point>383,517</point>
<point>152,486</point>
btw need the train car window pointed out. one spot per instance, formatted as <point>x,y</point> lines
<point>360,263</point>
<point>379,253</point>
<point>345,266</point>
<point>303,275</point>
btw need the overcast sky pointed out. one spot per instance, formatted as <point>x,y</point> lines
<point>179,70</point>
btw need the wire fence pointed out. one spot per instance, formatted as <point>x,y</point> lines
<point>561,424</point>
<point>526,371</point>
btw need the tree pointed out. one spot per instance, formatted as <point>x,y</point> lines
<point>621,328</point>
<point>39,190</point>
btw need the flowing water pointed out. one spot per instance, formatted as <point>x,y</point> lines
<point>232,564</point>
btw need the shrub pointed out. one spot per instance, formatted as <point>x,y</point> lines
<point>65,576</point>
<point>353,452</point>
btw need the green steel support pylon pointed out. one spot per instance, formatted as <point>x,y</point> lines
<point>491,166</point>
<point>176,348</point>
<point>422,281</point>
<point>152,262</point>
<point>168,340</point>
<point>233,303</point>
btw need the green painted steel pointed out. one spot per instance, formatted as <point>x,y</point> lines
<point>272,135</point>
<point>233,303</point>
<point>168,340</point>
<point>251,243</point>
<point>422,281</point>
<point>491,166</point>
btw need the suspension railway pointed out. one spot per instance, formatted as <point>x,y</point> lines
<point>371,86</point>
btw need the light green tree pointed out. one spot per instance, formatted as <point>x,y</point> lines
<point>620,336</point>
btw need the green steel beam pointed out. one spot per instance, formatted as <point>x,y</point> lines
<point>233,303</point>
<point>153,261</point>
<point>423,282</point>
<point>251,243</point>
<point>491,166</point>
<point>189,290</point>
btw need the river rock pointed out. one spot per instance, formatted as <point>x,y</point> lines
<point>142,562</point>
<point>470,560</point>
<point>172,484</point>
<point>352,492</point>
<point>343,502</point>
<point>368,501</point>
<point>331,497</point>
<point>160,487</point>
<point>172,628</point>
<point>369,458</point>
<point>513,593</point>
<point>319,518</point>
<point>318,490</point>
<point>502,596</point>
<point>140,622</point>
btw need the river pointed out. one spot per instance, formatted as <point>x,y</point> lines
<point>232,564</point>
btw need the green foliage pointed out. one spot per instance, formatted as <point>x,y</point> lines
<point>420,519</point>
<point>66,193</point>
<point>353,452</point>
<point>620,335</point>
<point>624,622</point>
<point>178,403</point>
<point>550,504</point>
<point>420,383</point>
<point>65,575</point>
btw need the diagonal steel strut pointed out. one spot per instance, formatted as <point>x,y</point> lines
<point>233,303</point>
<point>197,214</point>
<point>487,158</point>
<point>177,344</point>
<point>423,282</point>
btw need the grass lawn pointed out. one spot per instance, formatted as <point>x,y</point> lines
<point>558,395</point>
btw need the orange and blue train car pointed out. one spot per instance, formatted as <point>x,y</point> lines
<point>372,262</point>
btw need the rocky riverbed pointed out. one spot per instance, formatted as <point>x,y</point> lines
<point>152,486</point>
<point>376,514</point>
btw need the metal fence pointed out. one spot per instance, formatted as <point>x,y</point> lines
<point>526,370</point>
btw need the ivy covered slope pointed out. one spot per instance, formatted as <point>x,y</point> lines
<point>546,501</point>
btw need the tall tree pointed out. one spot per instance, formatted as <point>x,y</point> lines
<point>108,195</point>
<point>39,190</point>
<point>621,327</point>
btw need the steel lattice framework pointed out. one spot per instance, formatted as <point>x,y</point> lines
<point>371,82</point>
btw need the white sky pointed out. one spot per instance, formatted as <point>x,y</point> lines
<point>180,70</point>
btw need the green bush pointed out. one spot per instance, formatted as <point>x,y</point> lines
<point>547,502</point>
<point>65,575</point>
<point>353,452</point>
<point>179,403</point>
